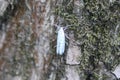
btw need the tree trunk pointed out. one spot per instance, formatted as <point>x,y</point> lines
<point>28,40</point>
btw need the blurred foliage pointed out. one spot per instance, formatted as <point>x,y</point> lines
<point>97,31</point>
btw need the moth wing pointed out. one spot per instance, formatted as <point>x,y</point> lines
<point>60,41</point>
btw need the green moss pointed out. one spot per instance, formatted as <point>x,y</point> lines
<point>95,31</point>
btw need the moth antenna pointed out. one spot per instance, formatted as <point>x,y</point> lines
<point>66,27</point>
<point>56,26</point>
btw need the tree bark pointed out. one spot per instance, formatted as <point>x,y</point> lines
<point>28,41</point>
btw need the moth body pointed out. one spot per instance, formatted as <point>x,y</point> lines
<point>60,41</point>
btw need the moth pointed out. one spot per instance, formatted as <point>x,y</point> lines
<point>60,41</point>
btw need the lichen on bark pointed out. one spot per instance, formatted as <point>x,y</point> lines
<point>28,50</point>
<point>95,32</point>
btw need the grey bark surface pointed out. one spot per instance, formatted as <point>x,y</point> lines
<point>3,6</point>
<point>28,43</point>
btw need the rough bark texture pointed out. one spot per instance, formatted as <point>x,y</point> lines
<point>28,40</point>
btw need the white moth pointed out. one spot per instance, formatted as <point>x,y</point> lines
<point>60,41</point>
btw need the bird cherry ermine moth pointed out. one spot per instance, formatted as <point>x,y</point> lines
<point>60,41</point>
